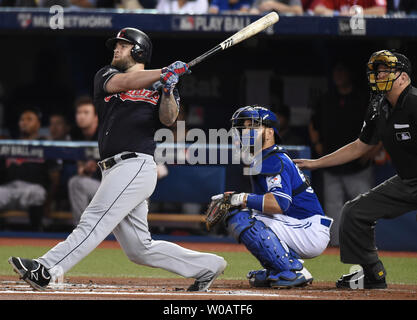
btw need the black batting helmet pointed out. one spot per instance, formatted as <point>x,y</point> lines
<point>142,49</point>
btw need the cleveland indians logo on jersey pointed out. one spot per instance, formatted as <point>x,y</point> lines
<point>142,95</point>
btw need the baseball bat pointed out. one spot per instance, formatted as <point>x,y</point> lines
<point>243,34</point>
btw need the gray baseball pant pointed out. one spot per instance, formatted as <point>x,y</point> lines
<point>120,205</point>
<point>389,200</point>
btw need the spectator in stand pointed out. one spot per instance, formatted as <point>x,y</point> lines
<point>309,5</point>
<point>18,3</point>
<point>86,4</point>
<point>59,130</point>
<point>29,182</point>
<point>346,7</point>
<point>280,6</point>
<point>230,6</point>
<point>287,134</point>
<point>402,6</point>
<point>182,6</point>
<point>83,186</point>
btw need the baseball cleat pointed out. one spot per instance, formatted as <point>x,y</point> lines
<point>302,278</point>
<point>204,285</point>
<point>259,278</point>
<point>357,280</point>
<point>32,272</point>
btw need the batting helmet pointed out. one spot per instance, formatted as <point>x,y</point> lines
<point>142,49</point>
<point>259,116</point>
<point>393,61</point>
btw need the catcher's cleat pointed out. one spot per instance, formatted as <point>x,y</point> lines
<point>31,271</point>
<point>357,280</point>
<point>204,285</point>
<point>302,278</point>
<point>258,278</point>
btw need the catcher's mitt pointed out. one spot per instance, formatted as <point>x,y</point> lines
<point>218,208</point>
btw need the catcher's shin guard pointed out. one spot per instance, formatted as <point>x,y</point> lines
<point>263,243</point>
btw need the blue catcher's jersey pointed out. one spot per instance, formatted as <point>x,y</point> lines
<point>280,176</point>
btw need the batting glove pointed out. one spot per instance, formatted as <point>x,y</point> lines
<point>180,68</point>
<point>169,79</point>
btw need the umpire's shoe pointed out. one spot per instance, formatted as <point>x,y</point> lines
<point>370,277</point>
<point>204,285</point>
<point>32,272</point>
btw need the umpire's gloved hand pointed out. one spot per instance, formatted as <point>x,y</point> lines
<point>168,79</point>
<point>180,68</point>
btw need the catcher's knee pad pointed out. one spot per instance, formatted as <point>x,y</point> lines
<point>264,244</point>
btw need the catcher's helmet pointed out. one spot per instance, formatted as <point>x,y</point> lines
<point>394,61</point>
<point>142,49</point>
<point>259,116</point>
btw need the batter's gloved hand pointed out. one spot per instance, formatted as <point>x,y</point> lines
<point>169,79</point>
<point>180,68</point>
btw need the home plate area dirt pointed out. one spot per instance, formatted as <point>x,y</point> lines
<point>83,288</point>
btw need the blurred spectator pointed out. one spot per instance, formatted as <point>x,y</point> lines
<point>337,120</point>
<point>309,5</point>
<point>346,7</point>
<point>18,3</point>
<point>68,3</point>
<point>83,186</point>
<point>29,182</point>
<point>127,4</point>
<point>402,6</point>
<point>229,6</point>
<point>59,128</point>
<point>287,134</point>
<point>280,6</point>
<point>182,6</point>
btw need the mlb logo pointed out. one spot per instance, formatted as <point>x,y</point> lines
<point>403,136</point>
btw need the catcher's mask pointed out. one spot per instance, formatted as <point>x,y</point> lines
<point>142,45</point>
<point>247,120</point>
<point>394,62</point>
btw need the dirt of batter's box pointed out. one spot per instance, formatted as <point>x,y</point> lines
<point>88,288</point>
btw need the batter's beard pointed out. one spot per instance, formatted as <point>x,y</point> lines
<point>123,65</point>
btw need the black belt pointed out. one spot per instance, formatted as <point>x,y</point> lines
<point>110,162</point>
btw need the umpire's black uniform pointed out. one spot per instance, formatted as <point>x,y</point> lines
<point>397,129</point>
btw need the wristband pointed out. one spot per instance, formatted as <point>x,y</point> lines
<point>255,201</point>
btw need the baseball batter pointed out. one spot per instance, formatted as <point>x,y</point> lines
<point>130,111</point>
<point>282,220</point>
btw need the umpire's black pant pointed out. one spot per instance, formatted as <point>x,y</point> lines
<point>388,200</point>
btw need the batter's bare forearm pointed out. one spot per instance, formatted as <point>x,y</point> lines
<point>135,80</point>
<point>168,110</point>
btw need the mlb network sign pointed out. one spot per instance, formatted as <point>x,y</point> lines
<point>213,23</point>
<point>56,19</point>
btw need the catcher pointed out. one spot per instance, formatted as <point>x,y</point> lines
<point>282,221</point>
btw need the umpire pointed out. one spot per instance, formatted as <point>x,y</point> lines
<point>392,119</point>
